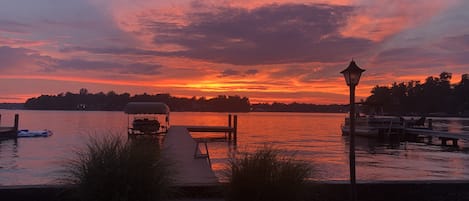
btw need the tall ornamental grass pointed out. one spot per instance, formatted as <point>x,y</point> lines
<point>266,175</point>
<point>113,169</point>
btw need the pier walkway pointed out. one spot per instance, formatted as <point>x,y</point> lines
<point>178,148</point>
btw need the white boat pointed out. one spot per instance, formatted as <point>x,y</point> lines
<point>28,133</point>
<point>372,126</point>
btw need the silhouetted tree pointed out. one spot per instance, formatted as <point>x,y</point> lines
<point>113,101</point>
<point>435,95</point>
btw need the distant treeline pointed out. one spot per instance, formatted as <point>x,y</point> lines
<point>112,101</point>
<point>12,106</point>
<point>436,96</point>
<point>299,107</point>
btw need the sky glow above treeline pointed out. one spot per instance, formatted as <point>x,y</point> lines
<point>283,51</point>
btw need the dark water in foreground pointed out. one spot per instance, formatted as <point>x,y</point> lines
<point>313,137</point>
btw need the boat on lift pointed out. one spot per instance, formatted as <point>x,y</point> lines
<point>40,133</point>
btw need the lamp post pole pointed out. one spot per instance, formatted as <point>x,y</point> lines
<point>353,189</point>
<point>352,76</point>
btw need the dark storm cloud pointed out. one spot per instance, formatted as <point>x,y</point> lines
<point>271,34</point>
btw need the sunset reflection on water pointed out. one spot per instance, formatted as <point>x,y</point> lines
<point>311,137</point>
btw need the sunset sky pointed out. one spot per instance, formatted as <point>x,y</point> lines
<point>284,51</point>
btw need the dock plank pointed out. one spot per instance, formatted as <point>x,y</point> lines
<point>179,147</point>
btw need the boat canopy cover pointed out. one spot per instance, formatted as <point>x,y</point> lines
<point>146,108</point>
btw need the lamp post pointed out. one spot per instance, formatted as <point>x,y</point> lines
<point>352,76</point>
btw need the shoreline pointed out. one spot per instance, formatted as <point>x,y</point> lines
<point>439,116</point>
<point>332,191</point>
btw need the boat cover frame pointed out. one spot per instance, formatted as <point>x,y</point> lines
<point>147,108</point>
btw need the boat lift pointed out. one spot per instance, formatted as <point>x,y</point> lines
<point>148,118</point>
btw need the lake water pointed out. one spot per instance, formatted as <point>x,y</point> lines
<point>313,137</point>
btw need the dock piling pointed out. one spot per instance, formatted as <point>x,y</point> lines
<point>430,124</point>
<point>17,118</point>
<point>229,125</point>
<point>235,128</point>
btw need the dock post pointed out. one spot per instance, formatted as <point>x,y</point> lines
<point>17,118</point>
<point>455,142</point>
<point>235,128</point>
<point>443,141</point>
<point>229,125</point>
<point>430,124</point>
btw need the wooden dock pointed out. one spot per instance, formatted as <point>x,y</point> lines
<point>10,131</point>
<point>406,129</point>
<point>230,132</point>
<point>178,147</point>
<point>212,129</point>
<point>444,136</point>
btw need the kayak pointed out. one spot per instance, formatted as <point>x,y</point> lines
<point>28,133</point>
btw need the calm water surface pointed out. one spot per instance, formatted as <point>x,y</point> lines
<point>313,137</point>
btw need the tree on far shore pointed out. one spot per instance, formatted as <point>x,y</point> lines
<point>435,95</point>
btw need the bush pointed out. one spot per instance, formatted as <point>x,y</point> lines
<point>113,169</point>
<point>266,175</point>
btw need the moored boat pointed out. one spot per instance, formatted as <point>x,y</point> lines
<point>28,133</point>
<point>372,126</point>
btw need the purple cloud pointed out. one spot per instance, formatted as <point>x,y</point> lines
<point>251,72</point>
<point>271,34</point>
<point>15,58</point>
<point>132,68</point>
<point>13,26</point>
<point>229,72</point>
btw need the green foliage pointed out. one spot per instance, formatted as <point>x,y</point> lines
<point>113,169</point>
<point>266,175</point>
